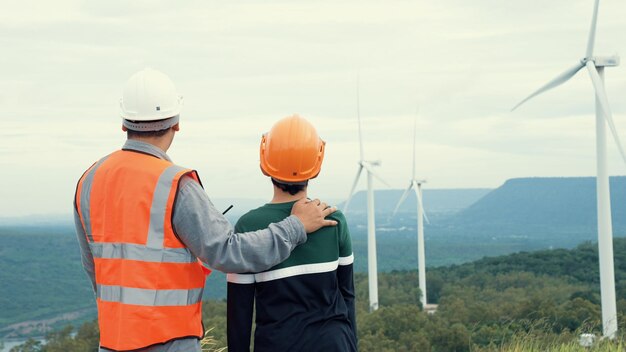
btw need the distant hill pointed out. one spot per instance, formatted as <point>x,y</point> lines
<point>554,205</point>
<point>435,200</point>
<point>240,207</point>
<point>38,220</point>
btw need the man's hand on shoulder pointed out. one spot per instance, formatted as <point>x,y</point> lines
<point>312,214</point>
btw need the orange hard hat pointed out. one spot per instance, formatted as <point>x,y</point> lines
<point>292,151</point>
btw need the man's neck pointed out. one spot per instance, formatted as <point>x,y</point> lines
<point>159,142</point>
<point>281,196</point>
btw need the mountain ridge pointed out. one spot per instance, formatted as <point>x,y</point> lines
<point>560,203</point>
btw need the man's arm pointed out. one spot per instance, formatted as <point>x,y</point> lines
<point>211,238</point>
<point>85,251</point>
<point>345,278</point>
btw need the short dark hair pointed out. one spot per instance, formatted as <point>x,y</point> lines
<point>290,187</point>
<point>139,134</point>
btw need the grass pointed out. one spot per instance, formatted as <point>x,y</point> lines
<point>573,346</point>
<point>209,344</point>
<point>537,339</point>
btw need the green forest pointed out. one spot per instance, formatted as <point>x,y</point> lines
<point>41,273</point>
<point>533,299</point>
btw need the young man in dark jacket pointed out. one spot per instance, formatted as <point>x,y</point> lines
<point>305,303</point>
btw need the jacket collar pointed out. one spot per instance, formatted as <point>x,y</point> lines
<point>145,148</point>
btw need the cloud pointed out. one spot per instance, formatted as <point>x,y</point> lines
<point>242,65</point>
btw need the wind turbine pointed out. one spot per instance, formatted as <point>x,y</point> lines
<point>416,185</point>
<point>595,66</point>
<point>372,268</point>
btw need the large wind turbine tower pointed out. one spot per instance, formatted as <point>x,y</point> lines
<point>595,66</point>
<point>416,185</point>
<point>372,267</point>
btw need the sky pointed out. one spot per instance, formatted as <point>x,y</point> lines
<point>243,65</point>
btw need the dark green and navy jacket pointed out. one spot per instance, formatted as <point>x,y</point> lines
<point>305,303</point>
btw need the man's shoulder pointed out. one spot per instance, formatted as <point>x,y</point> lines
<point>254,215</point>
<point>260,218</point>
<point>337,216</point>
<point>186,180</point>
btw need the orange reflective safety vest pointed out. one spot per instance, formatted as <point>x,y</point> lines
<point>148,284</point>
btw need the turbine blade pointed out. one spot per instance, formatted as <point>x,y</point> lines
<point>557,81</point>
<point>371,171</point>
<point>356,180</point>
<point>406,192</point>
<point>358,116</point>
<point>414,139</point>
<point>421,203</point>
<point>592,31</point>
<point>381,179</point>
<point>604,104</point>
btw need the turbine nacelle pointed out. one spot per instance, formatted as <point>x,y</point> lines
<point>366,163</point>
<point>415,186</point>
<point>602,61</point>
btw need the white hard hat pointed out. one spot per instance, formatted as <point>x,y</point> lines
<point>150,95</point>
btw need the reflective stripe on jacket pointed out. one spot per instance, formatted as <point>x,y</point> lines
<point>148,284</point>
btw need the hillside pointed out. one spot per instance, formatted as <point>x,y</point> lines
<point>563,204</point>
<point>544,298</point>
<point>578,265</point>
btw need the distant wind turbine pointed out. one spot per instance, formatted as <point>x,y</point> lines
<point>416,185</point>
<point>372,268</point>
<point>595,66</point>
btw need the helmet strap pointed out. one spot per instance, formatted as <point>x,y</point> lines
<point>301,183</point>
<point>149,126</point>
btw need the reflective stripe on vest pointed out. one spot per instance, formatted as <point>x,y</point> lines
<point>83,196</point>
<point>132,251</point>
<point>148,284</point>
<point>144,297</point>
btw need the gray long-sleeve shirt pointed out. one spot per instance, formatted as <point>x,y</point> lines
<point>211,238</point>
